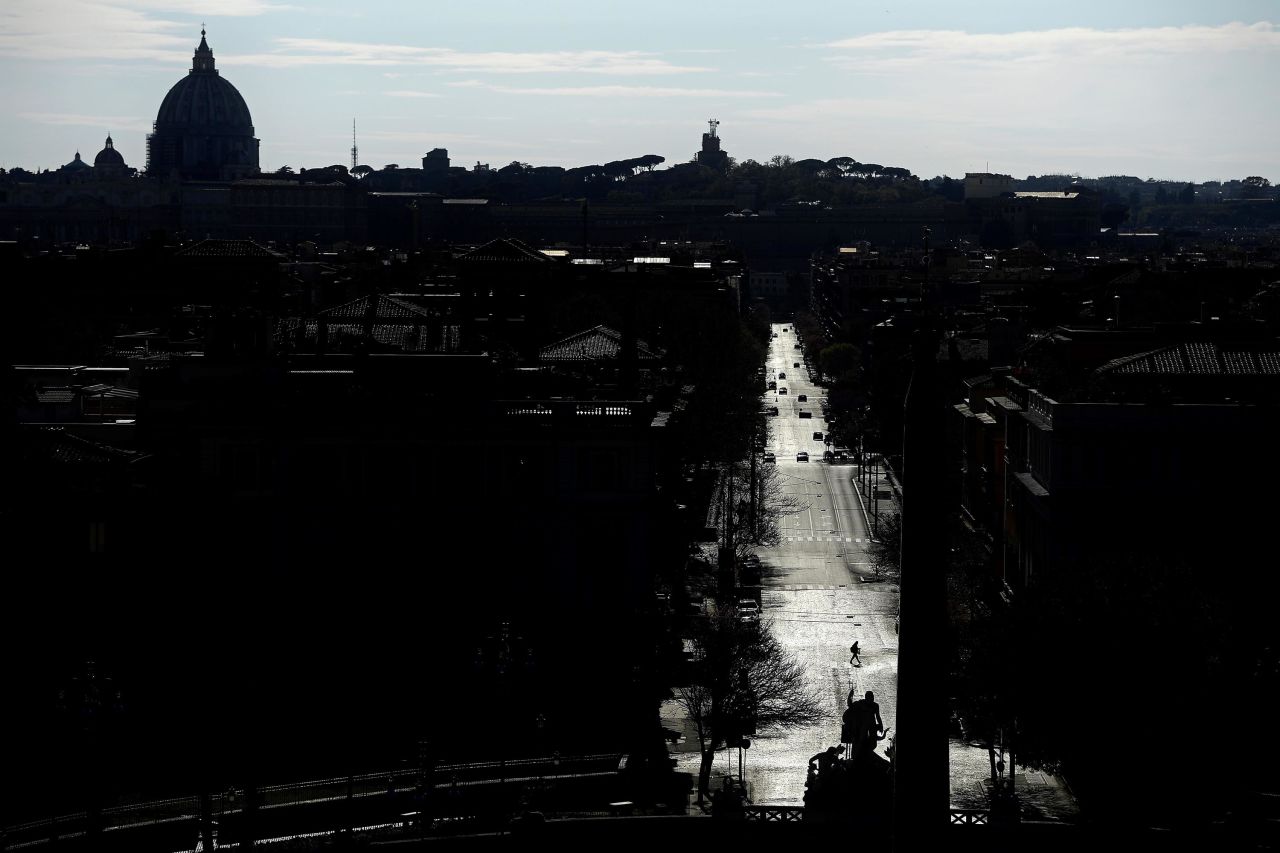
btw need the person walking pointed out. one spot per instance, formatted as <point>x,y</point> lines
<point>854,660</point>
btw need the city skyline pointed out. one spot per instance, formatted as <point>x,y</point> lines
<point>935,88</point>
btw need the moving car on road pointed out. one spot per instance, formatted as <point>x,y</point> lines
<point>803,398</point>
<point>782,390</point>
<point>802,456</point>
<point>817,436</point>
<point>806,414</point>
<point>769,457</point>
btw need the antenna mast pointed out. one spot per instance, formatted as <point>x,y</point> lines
<point>714,124</point>
<point>355,159</point>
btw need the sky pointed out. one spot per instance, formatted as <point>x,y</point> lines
<point>1165,89</point>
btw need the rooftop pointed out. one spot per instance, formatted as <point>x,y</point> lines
<point>226,249</point>
<point>596,344</point>
<point>1198,358</point>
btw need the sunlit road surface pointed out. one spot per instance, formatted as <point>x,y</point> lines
<point>815,596</point>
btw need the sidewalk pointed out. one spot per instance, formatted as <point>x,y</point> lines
<point>1042,796</point>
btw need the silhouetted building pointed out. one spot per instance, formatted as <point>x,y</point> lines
<point>77,169</point>
<point>711,155</point>
<point>986,185</point>
<point>203,130</point>
<point>437,160</point>
<point>110,163</point>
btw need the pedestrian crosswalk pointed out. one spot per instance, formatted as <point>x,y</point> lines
<point>828,539</point>
<point>796,586</point>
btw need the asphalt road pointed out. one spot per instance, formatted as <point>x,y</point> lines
<point>816,591</point>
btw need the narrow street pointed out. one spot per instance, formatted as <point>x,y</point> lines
<point>820,593</point>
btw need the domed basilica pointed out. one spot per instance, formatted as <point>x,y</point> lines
<point>203,130</point>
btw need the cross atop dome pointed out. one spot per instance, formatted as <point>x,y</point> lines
<point>203,59</point>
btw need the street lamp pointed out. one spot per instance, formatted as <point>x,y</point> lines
<point>504,657</point>
<point>91,701</point>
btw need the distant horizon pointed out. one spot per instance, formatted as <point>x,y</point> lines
<point>1178,92</point>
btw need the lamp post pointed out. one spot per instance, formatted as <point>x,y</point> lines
<point>91,701</point>
<point>503,657</point>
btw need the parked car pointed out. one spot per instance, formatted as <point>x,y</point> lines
<point>803,398</point>
<point>782,390</point>
<point>769,457</point>
<point>772,384</point>
<point>802,456</point>
<point>782,376</point>
<point>817,436</point>
<point>795,364</point>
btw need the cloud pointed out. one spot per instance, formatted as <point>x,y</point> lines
<point>616,91</point>
<point>915,47</point>
<point>113,124</point>
<point>112,29</point>
<point>409,93</point>
<point>223,8</point>
<point>420,136</point>
<point>307,51</point>
<point>82,30</point>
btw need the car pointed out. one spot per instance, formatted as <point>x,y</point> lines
<point>784,328</point>
<point>828,456</point>
<point>817,436</point>
<point>841,457</point>
<point>795,346</point>
<point>782,376</point>
<point>803,398</point>
<point>769,457</point>
<point>795,364</point>
<point>773,410</point>
<point>806,414</point>
<point>773,384</point>
<point>802,456</point>
<point>782,390</point>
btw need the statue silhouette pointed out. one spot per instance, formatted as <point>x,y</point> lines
<point>862,728</point>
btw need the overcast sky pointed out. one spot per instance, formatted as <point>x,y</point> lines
<point>1169,89</point>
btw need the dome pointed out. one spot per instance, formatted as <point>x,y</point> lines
<point>203,129</point>
<point>77,164</point>
<point>108,156</point>
<point>204,99</point>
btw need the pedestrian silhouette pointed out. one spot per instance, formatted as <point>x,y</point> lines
<point>853,654</point>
